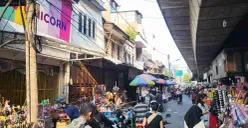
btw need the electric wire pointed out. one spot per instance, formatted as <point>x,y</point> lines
<point>135,30</point>
<point>60,11</point>
<point>34,42</point>
<point>91,15</point>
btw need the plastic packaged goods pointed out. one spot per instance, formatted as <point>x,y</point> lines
<point>240,116</point>
<point>234,117</point>
<point>243,113</point>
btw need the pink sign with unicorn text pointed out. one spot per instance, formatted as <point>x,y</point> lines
<point>54,18</point>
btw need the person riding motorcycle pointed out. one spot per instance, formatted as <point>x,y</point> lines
<point>179,95</point>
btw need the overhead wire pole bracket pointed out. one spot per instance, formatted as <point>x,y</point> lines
<point>4,9</point>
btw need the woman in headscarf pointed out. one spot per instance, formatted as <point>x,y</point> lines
<point>192,118</point>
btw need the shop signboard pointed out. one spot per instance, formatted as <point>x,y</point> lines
<point>53,19</point>
<point>179,72</point>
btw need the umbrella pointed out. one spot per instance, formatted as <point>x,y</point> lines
<point>152,78</point>
<point>141,81</point>
<point>170,83</point>
<point>161,81</point>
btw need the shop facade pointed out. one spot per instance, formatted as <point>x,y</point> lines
<point>51,64</point>
<point>100,71</point>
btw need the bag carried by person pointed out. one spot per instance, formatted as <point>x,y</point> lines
<point>150,118</point>
<point>199,125</point>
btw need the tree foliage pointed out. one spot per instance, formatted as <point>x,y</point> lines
<point>186,77</point>
<point>131,33</point>
<point>166,72</point>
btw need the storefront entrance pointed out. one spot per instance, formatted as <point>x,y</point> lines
<point>13,83</point>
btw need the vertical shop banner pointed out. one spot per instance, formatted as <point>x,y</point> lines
<point>54,17</point>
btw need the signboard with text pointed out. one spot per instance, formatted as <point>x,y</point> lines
<point>54,17</point>
<point>179,72</point>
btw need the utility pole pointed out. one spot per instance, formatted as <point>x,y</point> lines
<point>169,65</point>
<point>31,64</point>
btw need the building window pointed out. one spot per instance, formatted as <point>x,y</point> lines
<point>80,22</point>
<point>113,49</point>
<point>118,52</point>
<point>94,29</point>
<point>216,69</point>
<point>85,24</point>
<point>113,5</point>
<point>89,26</point>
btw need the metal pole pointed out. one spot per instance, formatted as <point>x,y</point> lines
<point>32,89</point>
<point>4,9</point>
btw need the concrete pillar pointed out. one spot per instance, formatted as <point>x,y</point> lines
<point>61,80</point>
<point>66,81</point>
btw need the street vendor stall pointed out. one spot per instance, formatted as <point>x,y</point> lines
<point>143,82</point>
<point>226,112</point>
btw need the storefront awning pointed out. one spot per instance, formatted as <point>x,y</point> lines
<point>98,61</point>
<point>95,59</point>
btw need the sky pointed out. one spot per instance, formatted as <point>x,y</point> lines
<point>154,24</point>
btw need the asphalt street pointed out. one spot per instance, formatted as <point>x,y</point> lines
<point>177,112</point>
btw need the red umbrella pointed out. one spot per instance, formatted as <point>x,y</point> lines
<point>161,81</point>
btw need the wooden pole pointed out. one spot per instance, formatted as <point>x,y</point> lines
<point>31,64</point>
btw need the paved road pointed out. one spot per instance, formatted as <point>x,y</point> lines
<point>177,112</point>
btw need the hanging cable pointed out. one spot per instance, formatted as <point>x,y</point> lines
<point>36,45</point>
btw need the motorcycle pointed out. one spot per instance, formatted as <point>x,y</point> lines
<point>140,125</point>
<point>179,98</point>
<point>123,115</point>
<point>160,107</point>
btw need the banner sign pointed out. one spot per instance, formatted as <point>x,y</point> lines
<point>54,17</point>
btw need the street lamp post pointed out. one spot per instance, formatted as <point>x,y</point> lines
<point>169,64</point>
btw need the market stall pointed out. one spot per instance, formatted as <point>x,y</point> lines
<point>226,112</point>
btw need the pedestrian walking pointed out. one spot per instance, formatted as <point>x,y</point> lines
<point>192,118</point>
<point>153,120</point>
<point>140,110</point>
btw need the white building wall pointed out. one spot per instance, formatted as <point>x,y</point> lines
<point>80,39</point>
<point>56,10</point>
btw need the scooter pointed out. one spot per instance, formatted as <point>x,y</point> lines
<point>123,115</point>
<point>160,107</point>
<point>140,125</point>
